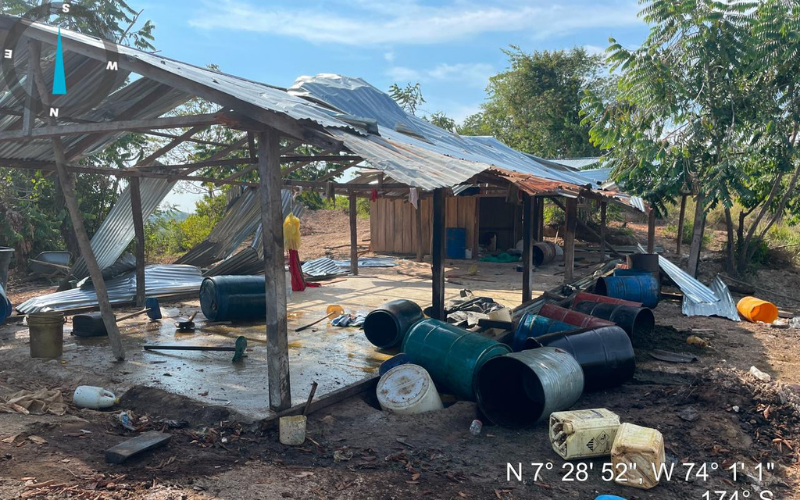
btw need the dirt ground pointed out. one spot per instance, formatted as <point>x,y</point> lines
<point>710,412</point>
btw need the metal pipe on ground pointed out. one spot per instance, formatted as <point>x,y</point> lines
<point>521,389</point>
<point>578,319</point>
<point>635,321</point>
<point>386,326</point>
<point>450,354</point>
<point>605,354</point>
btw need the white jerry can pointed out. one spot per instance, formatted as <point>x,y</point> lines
<point>583,433</point>
<point>637,454</point>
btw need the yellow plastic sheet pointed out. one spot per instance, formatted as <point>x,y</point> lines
<point>291,232</point>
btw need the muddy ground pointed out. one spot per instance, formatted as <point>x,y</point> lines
<point>710,412</point>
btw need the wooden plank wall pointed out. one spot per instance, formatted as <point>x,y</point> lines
<point>393,224</point>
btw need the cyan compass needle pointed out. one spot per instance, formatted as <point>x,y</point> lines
<point>60,76</point>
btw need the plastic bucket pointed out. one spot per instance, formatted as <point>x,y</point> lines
<point>521,389</point>
<point>452,356</point>
<point>590,297</point>
<point>634,320</point>
<point>578,319</point>
<point>638,288</point>
<point>386,326</point>
<point>753,309</point>
<point>605,354</point>
<point>234,298</point>
<point>292,430</point>
<point>408,390</point>
<point>47,334</point>
<point>533,325</point>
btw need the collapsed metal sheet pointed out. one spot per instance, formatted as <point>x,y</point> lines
<point>160,281</point>
<point>368,262</point>
<point>724,307</point>
<point>247,262</point>
<point>691,288</point>
<point>117,231</point>
<point>241,221</point>
<point>320,268</point>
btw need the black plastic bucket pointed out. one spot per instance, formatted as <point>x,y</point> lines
<point>634,320</point>
<point>605,354</point>
<point>386,326</point>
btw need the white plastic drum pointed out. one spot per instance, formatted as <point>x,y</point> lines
<point>408,390</point>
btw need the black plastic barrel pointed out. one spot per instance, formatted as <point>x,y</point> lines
<point>234,298</point>
<point>544,252</point>
<point>605,354</point>
<point>634,320</point>
<point>386,326</point>
<point>521,389</point>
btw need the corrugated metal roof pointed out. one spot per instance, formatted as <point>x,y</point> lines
<point>265,97</point>
<point>319,268</point>
<point>690,287</point>
<point>117,231</point>
<point>724,307</point>
<point>577,163</point>
<point>160,281</point>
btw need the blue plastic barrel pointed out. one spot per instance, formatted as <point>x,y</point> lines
<point>456,247</point>
<point>451,355</point>
<point>234,298</point>
<point>533,325</point>
<point>609,497</point>
<point>637,288</point>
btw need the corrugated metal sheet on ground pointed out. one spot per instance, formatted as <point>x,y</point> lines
<point>690,287</point>
<point>724,307</point>
<point>368,262</point>
<point>247,262</point>
<point>241,221</point>
<point>160,281</point>
<point>117,231</point>
<point>322,267</point>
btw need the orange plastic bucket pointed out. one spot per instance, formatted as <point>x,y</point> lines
<point>753,309</point>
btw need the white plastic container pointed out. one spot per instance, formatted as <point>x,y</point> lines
<point>408,390</point>
<point>583,433</point>
<point>94,398</point>
<point>641,450</point>
<point>292,430</point>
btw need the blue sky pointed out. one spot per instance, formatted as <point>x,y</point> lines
<point>451,47</point>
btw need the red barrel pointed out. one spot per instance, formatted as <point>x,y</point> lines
<point>573,317</point>
<point>590,297</point>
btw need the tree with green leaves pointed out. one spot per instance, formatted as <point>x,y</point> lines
<point>409,97</point>
<point>534,106</point>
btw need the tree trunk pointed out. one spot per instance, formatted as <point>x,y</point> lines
<point>697,236</point>
<point>730,248</point>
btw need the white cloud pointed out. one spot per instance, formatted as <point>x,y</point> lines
<point>385,22</point>
<point>472,74</point>
<point>389,56</point>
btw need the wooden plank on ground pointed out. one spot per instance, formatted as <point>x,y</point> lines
<point>136,446</point>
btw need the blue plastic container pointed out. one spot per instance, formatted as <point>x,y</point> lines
<point>393,362</point>
<point>533,325</point>
<point>609,497</point>
<point>456,247</point>
<point>637,288</point>
<point>234,298</point>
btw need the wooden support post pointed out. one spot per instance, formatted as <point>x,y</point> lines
<point>569,239</point>
<point>438,253</point>
<point>697,235</point>
<point>476,231</point>
<point>603,224</point>
<point>651,231</point>
<point>540,219</point>
<point>353,233</point>
<point>420,243</point>
<point>138,226</point>
<point>528,223</point>
<point>681,218</point>
<point>269,169</point>
<point>67,184</point>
